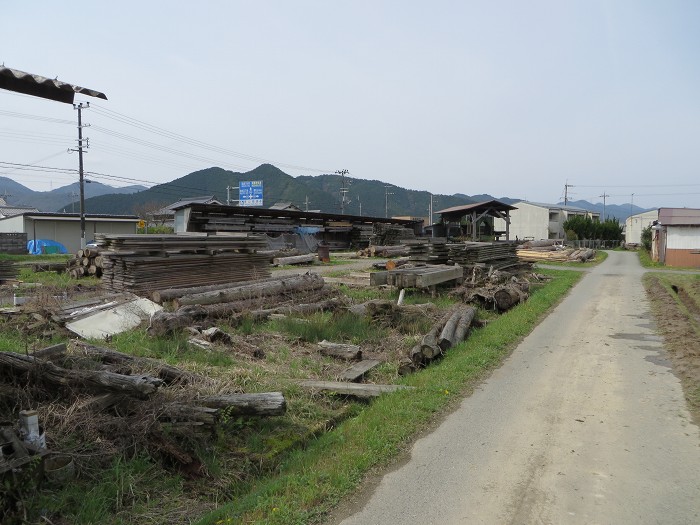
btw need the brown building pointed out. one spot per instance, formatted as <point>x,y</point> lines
<point>677,237</point>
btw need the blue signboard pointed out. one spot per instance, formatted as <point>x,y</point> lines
<point>250,193</point>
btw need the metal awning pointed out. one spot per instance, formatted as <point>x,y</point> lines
<point>38,86</point>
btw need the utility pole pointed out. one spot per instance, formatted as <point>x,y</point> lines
<point>343,189</point>
<point>566,192</point>
<point>386,200</point>
<point>631,204</point>
<point>81,148</point>
<point>73,194</point>
<point>360,204</point>
<point>307,203</point>
<point>605,196</point>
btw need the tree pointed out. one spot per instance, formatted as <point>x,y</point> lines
<point>646,238</point>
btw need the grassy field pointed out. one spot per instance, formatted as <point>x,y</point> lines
<point>287,469</point>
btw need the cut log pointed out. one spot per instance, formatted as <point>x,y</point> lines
<point>447,335</point>
<point>87,380</point>
<point>51,351</point>
<point>507,297</point>
<point>357,371</point>
<point>309,281</point>
<point>340,350</point>
<point>464,323</point>
<point>236,309</point>
<point>170,294</point>
<point>295,259</point>
<point>406,366</point>
<point>260,404</point>
<point>163,323</point>
<point>353,389</point>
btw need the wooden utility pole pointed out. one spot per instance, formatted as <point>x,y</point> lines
<point>81,148</point>
<point>343,189</point>
<point>386,200</point>
<point>605,196</point>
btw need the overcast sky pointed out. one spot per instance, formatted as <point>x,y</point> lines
<point>511,98</point>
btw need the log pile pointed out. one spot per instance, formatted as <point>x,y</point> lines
<point>142,263</point>
<point>451,330</point>
<point>85,263</point>
<point>398,250</point>
<point>257,300</point>
<point>390,234</point>
<point>120,400</point>
<point>554,254</point>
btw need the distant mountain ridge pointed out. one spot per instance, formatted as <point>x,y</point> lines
<point>60,199</point>
<point>321,192</point>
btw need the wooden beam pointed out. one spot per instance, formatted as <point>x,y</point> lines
<point>358,370</point>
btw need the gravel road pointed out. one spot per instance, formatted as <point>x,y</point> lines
<point>584,424</point>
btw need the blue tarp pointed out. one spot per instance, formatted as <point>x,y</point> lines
<point>42,246</point>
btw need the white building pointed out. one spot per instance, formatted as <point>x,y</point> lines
<point>636,223</point>
<point>536,221</point>
<point>676,239</point>
<point>65,227</point>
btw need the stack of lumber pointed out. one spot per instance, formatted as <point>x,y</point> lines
<point>361,235</point>
<point>418,277</point>
<point>470,253</point>
<point>431,251</point>
<point>541,255</point>
<point>8,271</point>
<point>142,263</point>
<point>86,262</point>
<point>390,234</point>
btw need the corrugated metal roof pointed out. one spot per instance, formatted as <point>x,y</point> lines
<point>477,206</point>
<point>679,216</point>
<point>43,215</point>
<point>560,207</point>
<point>38,86</point>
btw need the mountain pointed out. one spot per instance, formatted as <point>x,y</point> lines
<point>617,211</point>
<point>60,199</point>
<point>320,192</point>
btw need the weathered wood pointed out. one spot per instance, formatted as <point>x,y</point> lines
<point>238,310</point>
<point>309,281</point>
<point>358,370</point>
<point>167,373</point>
<point>506,297</point>
<point>51,351</point>
<point>163,323</point>
<point>294,259</point>
<point>465,321</point>
<point>447,335</point>
<point>94,381</point>
<point>353,389</point>
<point>340,350</point>
<point>406,366</point>
<point>259,404</point>
<point>162,296</point>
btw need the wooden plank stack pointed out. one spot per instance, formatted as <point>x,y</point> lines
<point>8,270</point>
<point>430,251</point>
<point>143,263</point>
<point>390,234</point>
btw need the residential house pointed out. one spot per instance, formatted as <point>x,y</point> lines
<point>676,239</point>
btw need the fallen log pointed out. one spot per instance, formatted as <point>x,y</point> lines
<point>506,297</point>
<point>294,259</point>
<point>170,294</point>
<point>163,323</point>
<point>464,323</point>
<point>447,335</point>
<point>236,310</point>
<point>353,389</point>
<point>260,404</point>
<point>340,350</point>
<point>309,281</point>
<point>140,386</point>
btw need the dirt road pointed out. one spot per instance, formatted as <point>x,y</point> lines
<point>584,424</point>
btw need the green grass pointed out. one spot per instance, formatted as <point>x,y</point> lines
<point>312,480</point>
<point>645,259</point>
<point>331,327</point>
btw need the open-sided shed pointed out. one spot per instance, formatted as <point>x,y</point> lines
<point>477,220</point>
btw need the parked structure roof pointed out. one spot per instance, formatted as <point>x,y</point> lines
<point>73,216</point>
<point>38,86</point>
<point>565,207</point>
<point>477,206</point>
<point>679,216</point>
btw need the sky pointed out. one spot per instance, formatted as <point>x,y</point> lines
<point>506,97</point>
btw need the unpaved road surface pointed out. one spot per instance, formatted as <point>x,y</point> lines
<point>584,424</point>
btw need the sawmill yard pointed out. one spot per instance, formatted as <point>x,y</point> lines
<point>265,410</point>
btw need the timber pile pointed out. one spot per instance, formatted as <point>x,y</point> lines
<point>498,293</point>
<point>390,234</point>
<point>119,401</point>
<point>8,271</point>
<point>431,251</point>
<point>361,235</point>
<point>451,330</point>
<point>141,263</point>
<point>470,253</point>
<point>258,300</point>
<point>85,263</point>
<point>555,255</point>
